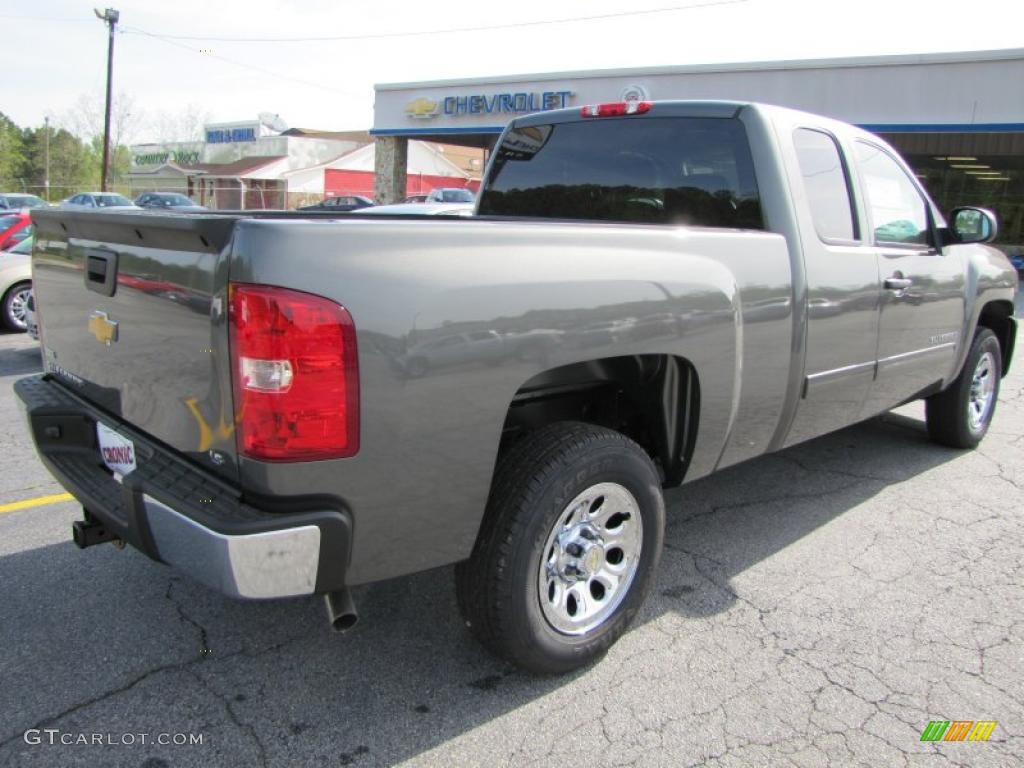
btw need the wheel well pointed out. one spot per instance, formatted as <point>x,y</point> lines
<point>996,316</point>
<point>653,399</point>
<point>15,286</point>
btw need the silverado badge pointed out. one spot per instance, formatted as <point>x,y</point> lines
<point>102,327</point>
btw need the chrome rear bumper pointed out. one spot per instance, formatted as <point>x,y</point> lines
<point>281,563</point>
<point>178,514</point>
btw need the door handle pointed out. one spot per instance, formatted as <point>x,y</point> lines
<point>897,283</point>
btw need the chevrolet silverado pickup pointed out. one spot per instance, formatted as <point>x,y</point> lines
<point>285,404</point>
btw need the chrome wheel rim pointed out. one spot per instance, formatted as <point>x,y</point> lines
<point>590,559</point>
<point>19,307</point>
<point>982,394</point>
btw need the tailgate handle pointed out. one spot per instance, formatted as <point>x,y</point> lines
<point>101,272</point>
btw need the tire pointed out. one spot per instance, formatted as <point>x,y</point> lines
<point>560,615</point>
<point>960,415</point>
<point>14,306</point>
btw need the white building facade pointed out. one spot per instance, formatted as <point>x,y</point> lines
<point>934,108</point>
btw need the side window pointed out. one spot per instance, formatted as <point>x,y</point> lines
<point>898,212</point>
<point>825,180</point>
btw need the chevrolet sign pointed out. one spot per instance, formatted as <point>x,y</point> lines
<point>422,109</point>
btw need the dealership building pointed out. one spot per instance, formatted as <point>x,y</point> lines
<point>958,118</point>
<point>255,164</point>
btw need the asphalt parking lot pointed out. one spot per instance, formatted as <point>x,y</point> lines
<point>814,607</point>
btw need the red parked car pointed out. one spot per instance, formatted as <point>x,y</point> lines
<point>14,227</point>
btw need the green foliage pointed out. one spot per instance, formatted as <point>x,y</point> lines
<point>74,164</point>
<point>12,152</point>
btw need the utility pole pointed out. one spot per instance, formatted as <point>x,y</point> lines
<point>110,16</point>
<point>46,176</point>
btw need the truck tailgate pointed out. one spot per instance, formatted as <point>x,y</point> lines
<point>132,316</point>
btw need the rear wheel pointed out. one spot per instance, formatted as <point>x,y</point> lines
<point>960,415</point>
<point>15,306</point>
<point>572,534</point>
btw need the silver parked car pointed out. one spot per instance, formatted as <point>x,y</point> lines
<point>17,201</point>
<point>451,195</point>
<point>99,200</point>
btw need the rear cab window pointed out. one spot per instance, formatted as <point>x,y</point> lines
<point>694,171</point>
<point>827,185</point>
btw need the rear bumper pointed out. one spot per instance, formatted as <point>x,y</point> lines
<point>179,514</point>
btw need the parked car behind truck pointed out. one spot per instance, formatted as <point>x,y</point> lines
<point>273,442</point>
<point>15,289</point>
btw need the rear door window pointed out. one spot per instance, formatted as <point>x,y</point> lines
<point>657,170</point>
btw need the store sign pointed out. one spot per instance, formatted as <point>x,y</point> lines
<point>181,157</point>
<point>231,135</point>
<point>518,103</point>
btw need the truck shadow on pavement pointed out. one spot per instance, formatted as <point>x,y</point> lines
<point>20,362</point>
<point>109,641</point>
<point>725,523</point>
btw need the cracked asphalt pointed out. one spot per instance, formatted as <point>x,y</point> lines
<point>815,607</point>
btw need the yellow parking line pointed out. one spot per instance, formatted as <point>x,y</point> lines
<point>38,501</point>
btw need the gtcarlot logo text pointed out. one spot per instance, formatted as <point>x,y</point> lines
<point>54,736</point>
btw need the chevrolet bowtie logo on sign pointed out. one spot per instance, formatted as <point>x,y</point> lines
<point>103,328</point>
<point>422,109</point>
<point>958,730</point>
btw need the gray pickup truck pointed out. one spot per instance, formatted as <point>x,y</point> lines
<point>290,404</point>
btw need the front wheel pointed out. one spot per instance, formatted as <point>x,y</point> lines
<point>572,535</point>
<point>960,415</point>
<point>15,306</point>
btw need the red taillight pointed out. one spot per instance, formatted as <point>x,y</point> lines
<point>295,375</point>
<point>616,109</point>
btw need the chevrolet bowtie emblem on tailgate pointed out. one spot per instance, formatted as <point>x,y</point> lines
<point>102,327</point>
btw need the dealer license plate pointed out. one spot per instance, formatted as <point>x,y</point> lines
<point>117,451</point>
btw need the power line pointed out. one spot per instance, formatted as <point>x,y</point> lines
<point>448,31</point>
<point>56,19</point>
<point>271,73</point>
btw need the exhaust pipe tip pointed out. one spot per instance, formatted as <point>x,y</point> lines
<point>341,610</point>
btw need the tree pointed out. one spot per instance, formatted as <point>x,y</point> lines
<point>186,125</point>
<point>12,155</point>
<point>85,119</point>
<point>76,147</point>
<point>72,165</point>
